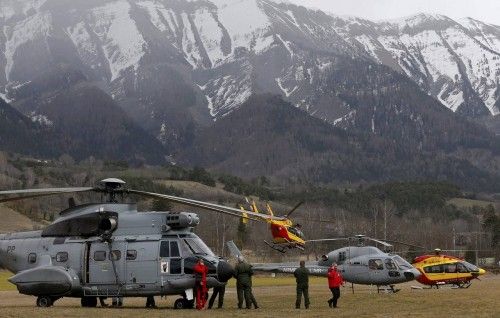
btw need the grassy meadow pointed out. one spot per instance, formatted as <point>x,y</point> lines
<point>276,296</point>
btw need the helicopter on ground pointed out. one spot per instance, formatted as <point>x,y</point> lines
<point>439,269</point>
<point>108,250</point>
<point>359,264</point>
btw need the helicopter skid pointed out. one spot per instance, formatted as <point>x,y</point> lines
<point>282,247</point>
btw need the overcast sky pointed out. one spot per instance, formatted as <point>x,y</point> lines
<point>484,10</point>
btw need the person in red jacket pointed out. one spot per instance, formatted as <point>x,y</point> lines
<point>200,271</point>
<point>335,280</point>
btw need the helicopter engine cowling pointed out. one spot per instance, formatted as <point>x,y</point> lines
<point>182,220</point>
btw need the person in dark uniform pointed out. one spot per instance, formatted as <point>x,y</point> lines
<point>243,273</point>
<point>252,297</point>
<point>302,278</point>
<point>150,302</point>
<point>218,291</point>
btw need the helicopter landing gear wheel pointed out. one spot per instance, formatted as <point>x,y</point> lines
<point>89,302</point>
<point>44,301</point>
<point>182,303</point>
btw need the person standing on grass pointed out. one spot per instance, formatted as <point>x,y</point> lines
<point>200,270</point>
<point>150,302</point>
<point>217,291</point>
<point>243,273</point>
<point>302,278</point>
<point>335,280</point>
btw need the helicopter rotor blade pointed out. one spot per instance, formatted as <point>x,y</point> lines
<point>378,241</point>
<point>407,244</point>
<point>36,193</point>
<point>328,240</point>
<point>208,206</point>
<point>293,209</point>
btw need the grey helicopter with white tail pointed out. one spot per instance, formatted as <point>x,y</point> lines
<point>110,249</point>
<point>359,264</point>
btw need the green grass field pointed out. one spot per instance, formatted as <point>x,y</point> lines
<point>276,296</point>
<point>4,284</point>
<point>468,203</point>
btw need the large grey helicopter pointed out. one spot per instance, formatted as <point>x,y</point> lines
<point>359,264</point>
<point>110,250</point>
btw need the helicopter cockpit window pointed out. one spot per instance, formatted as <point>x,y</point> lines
<point>401,262</point>
<point>296,231</point>
<point>62,257</point>
<point>376,264</point>
<point>197,246</point>
<point>471,267</point>
<point>32,258</point>
<point>115,255</point>
<point>390,265</point>
<point>99,256</point>
<point>131,255</point>
<point>461,268</point>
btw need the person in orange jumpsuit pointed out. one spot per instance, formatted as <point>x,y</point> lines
<point>200,271</point>
<point>335,280</point>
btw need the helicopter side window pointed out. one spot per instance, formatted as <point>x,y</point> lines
<point>165,249</point>
<point>174,249</point>
<point>31,258</point>
<point>62,257</point>
<point>341,256</point>
<point>115,255</point>
<point>99,256</point>
<point>450,268</point>
<point>433,269</point>
<point>390,265</point>
<point>376,264</point>
<point>131,255</point>
<point>176,266</point>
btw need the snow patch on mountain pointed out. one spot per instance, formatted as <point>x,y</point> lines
<point>157,13</point>
<point>210,34</point>
<point>36,26</point>
<point>287,92</point>
<point>10,8</point>
<point>243,19</point>
<point>41,119</point>
<point>124,45</point>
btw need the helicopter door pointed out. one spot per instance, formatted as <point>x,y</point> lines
<point>105,264</point>
<point>142,262</point>
<point>376,269</point>
<point>170,258</point>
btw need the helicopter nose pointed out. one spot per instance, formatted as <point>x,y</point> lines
<point>478,273</point>
<point>411,274</point>
<point>224,271</point>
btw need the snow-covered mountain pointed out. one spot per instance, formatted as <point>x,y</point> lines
<point>458,62</point>
<point>173,63</point>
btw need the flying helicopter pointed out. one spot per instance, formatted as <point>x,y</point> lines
<point>286,234</point>
<point>439,269</point>
<point>108,250</point>
<point>359,264</point>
